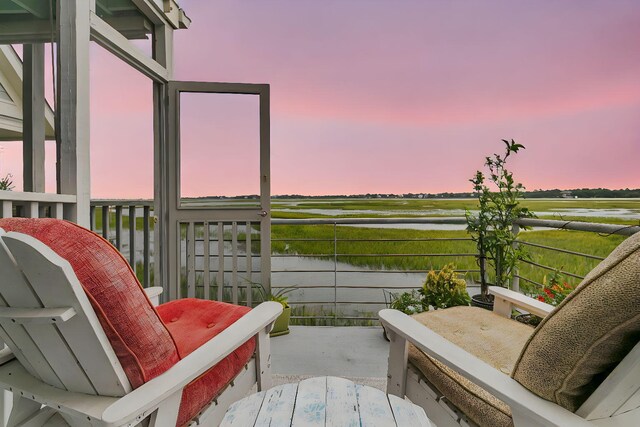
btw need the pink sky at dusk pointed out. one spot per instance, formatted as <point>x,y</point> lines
<point>373,96</point>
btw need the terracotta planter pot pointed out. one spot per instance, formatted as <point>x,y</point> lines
<point>281,325</point>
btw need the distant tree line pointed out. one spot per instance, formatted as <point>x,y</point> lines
<point>582,193</point>
<point>585,193</point>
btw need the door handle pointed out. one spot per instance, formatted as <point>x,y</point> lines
<point>263,213</point>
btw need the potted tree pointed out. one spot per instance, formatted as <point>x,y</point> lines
<point>491,227</point>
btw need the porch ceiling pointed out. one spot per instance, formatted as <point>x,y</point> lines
<point>40,8</point>
<point>28,20</point>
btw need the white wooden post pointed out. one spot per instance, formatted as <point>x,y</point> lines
<point>33,124</point>
<point>73,168</point>
<point>57,210</point>
<point>161,237</point>
<point>265,188</point>
<point>397,369</point>
<point>7,209</point>
<point>32,210</point>
<point>163,54</point>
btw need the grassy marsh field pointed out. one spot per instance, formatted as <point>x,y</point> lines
<point>425,250</point>
<point>356,247</point>
<point>536,205</point>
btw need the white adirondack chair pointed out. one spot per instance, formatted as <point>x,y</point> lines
<point>615,402</point>
<point>62,369</point>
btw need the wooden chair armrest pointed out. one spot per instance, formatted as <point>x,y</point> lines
<point>505,299</point>
<point>153,293</point>
<point>524,404</point>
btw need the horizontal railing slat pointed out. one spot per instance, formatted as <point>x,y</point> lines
<point>565,251</point>
<point>546,267</point>
<point>624,230</point>
<point>24,196</point>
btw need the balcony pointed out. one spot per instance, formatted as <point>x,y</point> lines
<point>338,273</point>
<point>337,278</point>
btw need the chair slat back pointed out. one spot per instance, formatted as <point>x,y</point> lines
<point>15,336</point>
<point>77,351</point>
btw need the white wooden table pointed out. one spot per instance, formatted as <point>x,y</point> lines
<point>324,401</point>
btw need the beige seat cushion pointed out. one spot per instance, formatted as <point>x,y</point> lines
<point>576,346</point>
<point>494,339</point>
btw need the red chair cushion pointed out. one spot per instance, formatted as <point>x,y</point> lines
<point>138,337</point>
<point>192,322</point>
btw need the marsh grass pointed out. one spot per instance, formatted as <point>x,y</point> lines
<point>125,221</point>
<point>357,246</point>
<point>319,316</point>
<point>577,241</point>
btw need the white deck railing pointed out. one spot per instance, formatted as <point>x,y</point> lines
<point>220,253</point>
<point>35,205</point>
<point>125,238</point>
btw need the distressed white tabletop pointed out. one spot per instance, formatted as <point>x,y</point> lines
<point>324,401</point>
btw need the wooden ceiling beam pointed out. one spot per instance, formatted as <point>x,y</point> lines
<point>39,8</point>
<point>29,30</point>
<point>112,7</point>
<point>102,8</point>
<point>131,26</point>
<point>14,30</point>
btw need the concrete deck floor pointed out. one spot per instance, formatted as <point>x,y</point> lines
<point>326,350</point>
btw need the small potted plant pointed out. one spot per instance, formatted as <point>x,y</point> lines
<point>491,227</point>
<point>444,289</point>
<point>281,325</point>
<point>440,290</point>
<point>6,183</point>
<point>410,303</point>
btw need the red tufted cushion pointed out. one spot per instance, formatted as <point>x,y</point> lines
<point>192,322</point>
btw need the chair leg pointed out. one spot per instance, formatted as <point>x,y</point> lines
<point>21,410</point>
<point>397,369</point>
<point>167,414</point>
<point>263,359</point>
